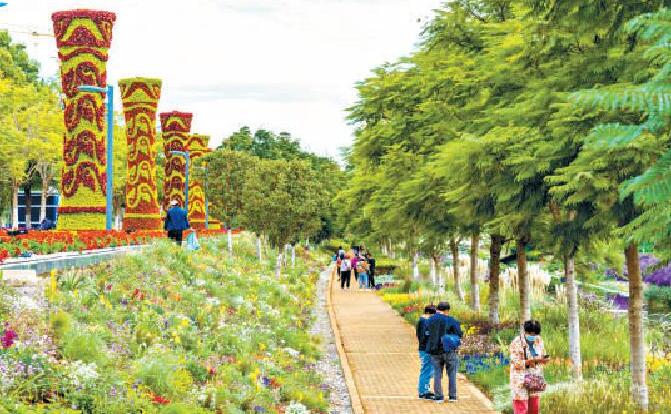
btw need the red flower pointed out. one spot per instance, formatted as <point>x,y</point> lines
<point>157,399</point>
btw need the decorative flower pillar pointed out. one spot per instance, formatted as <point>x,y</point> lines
<point>139,97</point>
<point>83,38</point>
<point>175,127</point>
<point>197,148</point>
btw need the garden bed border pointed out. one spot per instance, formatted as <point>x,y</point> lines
<point>357,407</point>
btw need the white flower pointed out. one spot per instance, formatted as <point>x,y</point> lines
<point>83,374</point>
<point>292,352</point>
<point>296,408</point>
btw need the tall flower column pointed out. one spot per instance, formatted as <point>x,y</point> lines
<point>83,38</point>
<point>140,98</point>
<point>175,127</point>
<point>197,148</point>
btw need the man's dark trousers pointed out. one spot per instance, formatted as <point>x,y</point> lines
<point>345,277</point>
<point>176,235</point>
<point>450,363</point>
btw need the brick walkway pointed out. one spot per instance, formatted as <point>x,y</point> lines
<point>380,348</point>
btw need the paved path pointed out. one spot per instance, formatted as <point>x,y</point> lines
<point>380,349</point>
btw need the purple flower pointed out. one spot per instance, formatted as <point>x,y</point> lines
<point>660,277</point>
<point>619,301</point>
<point>259,409</point>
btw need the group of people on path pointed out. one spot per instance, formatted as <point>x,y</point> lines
<point>356,262</point>
<point>439,336</point>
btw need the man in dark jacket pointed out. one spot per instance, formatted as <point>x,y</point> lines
<point>426,365</point>
<point>176,222</point>
<point>440,325</point>
<point>371,270</point>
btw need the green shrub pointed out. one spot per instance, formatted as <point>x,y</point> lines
<point>163,374</point>
<point>59,323</point>
<point>83,346</point>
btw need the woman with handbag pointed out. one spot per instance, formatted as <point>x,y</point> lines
<point>527,357</point>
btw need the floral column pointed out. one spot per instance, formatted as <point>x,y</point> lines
<point>83,38</point>
<point>175,127</point>
<point>139,97</point>
<point>197,148</point>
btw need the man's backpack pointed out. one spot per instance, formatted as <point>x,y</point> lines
<point>344,266</point>
<point>450,342</point>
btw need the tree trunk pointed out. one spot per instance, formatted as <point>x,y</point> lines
<point>432,270</point>
<point>392,252</point>
<point>258,248</point>
<point>573,318</point>
<point>15,205</point>
<point>639,387</point>
<point>28,197</point>
<point>278,263</point>
<point>441,279</point>
<point>475,286</point>
<point>494,270</point>
<point>415,266</point>
<point>293,256</point>
<point>523,280</point>
<point>454,248</point>
<point>43,199</point>
<point>229,239</point>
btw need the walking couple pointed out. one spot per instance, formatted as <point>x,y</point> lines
<point>439,337</point>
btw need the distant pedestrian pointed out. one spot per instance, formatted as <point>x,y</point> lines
<point>426,366</point>
<point>176,222</point>
<point>338,262</point>
<point>362,270</point>
<point>371,270</point>
<point>444,338</point>
<point>527,357</point>
<point>355,261</point>
<point>345,272</point>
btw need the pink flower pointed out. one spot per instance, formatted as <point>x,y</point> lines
<point>8,338</point>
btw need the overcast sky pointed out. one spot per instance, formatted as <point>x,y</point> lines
<point>283,65</point>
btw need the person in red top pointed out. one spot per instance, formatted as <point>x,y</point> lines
<point>355,260</point>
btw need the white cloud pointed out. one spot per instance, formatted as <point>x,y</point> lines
<point>280,64</point>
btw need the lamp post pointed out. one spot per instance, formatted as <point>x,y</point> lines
<point>186,156</point>
<point>109,96</point>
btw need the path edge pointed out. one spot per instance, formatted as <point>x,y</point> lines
<point>357,407</point>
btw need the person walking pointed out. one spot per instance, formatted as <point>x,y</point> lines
<point>362,268</point>
<point>527,357</point>
<point>355,262</point>
<point>371,270</point>
<point>176,222</point>
<point>338,262</point>
<point>426,366</point>
<point>444,330</point>
<point>345,272</point>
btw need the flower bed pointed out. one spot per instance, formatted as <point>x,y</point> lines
<point>47,242</point>
<point>165,331</point>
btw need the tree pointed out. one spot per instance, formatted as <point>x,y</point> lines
<point>281,201</point>
<point>224,175</point>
